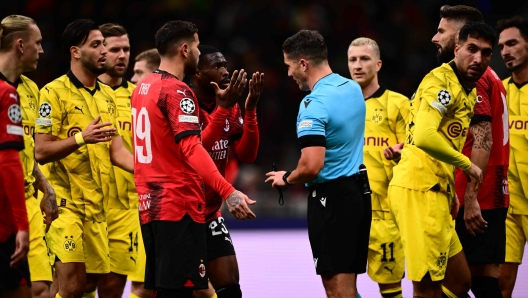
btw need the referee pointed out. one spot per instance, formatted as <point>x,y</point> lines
<point>330,129</point>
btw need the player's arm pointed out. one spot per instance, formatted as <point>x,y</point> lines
<point>120,156</point>
<point>246,148</point>
<point>48,205</point>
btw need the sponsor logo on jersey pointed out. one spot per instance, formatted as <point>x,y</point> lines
<point>45,109</point>
<point>187,105</point>
<point>143,89</point>
<point>438,106</point>
<point>13,96</point>
<point>74,130</point>
<point>219,150</point>
<point>15,130</point>
<point>144,202</point>
<point>43,121</point>
<point>305,124</point>
<point>479,98</point>
<point>229,239</point>
<point>517,124</point>
<point>14,113</point>
<point>189,119</point>
<point>389,269</point>
<point>375,141</point>
<point>455,130</point>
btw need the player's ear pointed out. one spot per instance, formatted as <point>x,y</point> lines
<point>184,49</point>
<point>378,65</point>
<point>457,48</point>
<point>304,64</point>
<point>75,52</point>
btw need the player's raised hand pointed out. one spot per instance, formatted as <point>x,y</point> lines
<point>393,152</point>
<point>95,133</point>
<point>256,85</point>
<point>21,248</point>
<point>237,203</point>
<point>474,172</point>
<point>228,97</point>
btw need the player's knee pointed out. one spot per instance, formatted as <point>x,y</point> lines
<point>231,291</point>
<point>91,286</point>
<point>40,289</point>
<point>139,290</point>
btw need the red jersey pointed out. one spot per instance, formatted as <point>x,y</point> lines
<point>232,130</point>
<point>12,196</point>
<point>164,110</point>
<point>491,106</point>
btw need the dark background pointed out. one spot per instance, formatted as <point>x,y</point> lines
<point>250,34</point>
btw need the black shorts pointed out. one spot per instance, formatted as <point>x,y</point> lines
<point>12,278</point>
<point>176,254</point>
<point>339,218</point>
<point>489,247</point>
<point>219,243</point>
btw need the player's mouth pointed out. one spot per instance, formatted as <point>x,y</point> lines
<point>102,60</point>
<point>120,66</point>
<point>475,70</point>
<point>358,75</point>
<point>508,59</point>
<point>224,83</point>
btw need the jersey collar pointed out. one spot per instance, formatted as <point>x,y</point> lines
<point>519,86</point>
<point>75,81</point>
<point>15,84</point>
<point>455,70</point>
<point>378,93</point>
<point>124,84</point>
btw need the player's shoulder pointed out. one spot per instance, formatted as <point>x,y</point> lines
<point>27,81</point>
<point>6,86</point>
<point>62,82</point>
<point>395,96</point>
<point>131,86</point>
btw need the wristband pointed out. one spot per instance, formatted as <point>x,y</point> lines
<point>79,139</point>
<point>285,178</point>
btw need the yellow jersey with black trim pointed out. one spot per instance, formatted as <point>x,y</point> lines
<point>517,100</point>
<point>127,197</point>
<point>440,95</point>
<point>385,126</point>
<point>28,94</point>
<point>84,180</point>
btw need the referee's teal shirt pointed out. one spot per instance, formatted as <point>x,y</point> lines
<point>333,116</point>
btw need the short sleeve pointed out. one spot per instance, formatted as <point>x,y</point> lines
<point>181,110</point>
<point>11,132</point>
<point>49,112</point>
<point>312,118</point>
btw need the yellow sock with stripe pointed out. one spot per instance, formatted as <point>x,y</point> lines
<point>58,296</point>
<point>448,293</point>
<point>214,296</point>
<point>132,295</point>
<point>392,293</point>
<point>89,295</point>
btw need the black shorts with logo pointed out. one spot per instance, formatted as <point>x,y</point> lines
<point>219,243</point>
<point>339,218</point>
<point>489,247</point>
<point>176,254</point>
<point>12,278</point>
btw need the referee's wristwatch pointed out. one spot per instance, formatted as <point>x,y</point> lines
<point>285,178</point>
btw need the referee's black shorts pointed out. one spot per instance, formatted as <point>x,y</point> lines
<point>339,218</point>
<point>488,247</point>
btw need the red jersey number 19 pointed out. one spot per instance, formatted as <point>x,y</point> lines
<point>142,142</point>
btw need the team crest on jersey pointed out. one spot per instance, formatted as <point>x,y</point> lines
<point>444,97</point>
<point>69,244</point>
<point>45,110</point>
<point>32,104</point>
<point>241,120</point>
<point>201,270</point>
<point>187,105</point>
<point>111,109</point>
<point>442,260</point>
<point>377,117</point>
<point>14,113</point>
<point>226,128</point>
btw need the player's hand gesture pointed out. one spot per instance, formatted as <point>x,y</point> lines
<point>237,203</point>
<point>473,219</point>
<point>474,172</point>
<point>95,133</point>
<point>21,249</point>
<point>256,85</point>
<point>228,97</point>
<point>393,152</point>
<point>48,205</point>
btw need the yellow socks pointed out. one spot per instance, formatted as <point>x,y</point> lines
<point>58,296</point>
<point>89,295</point>
<point>392,293</point>
<point>448,293</point>
<point>132,295</point>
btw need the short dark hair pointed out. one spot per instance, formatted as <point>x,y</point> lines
<point>206,50</point>
<point>151,56</point>
<point>307,44</point>
<point>477,30</point>
<point>461,13</point>
<point>111,30</point>
<point>76,33</point>
<point>517,22</point>
<point>173,32</point>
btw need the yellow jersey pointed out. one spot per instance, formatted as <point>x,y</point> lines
<point>84,180</point>
<point>441,111</point>
<point>517,100</point>
<point>127,197</point>
<point>384,127</point>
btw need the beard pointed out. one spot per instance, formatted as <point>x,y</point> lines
<point>191,66</point>
<point>113,72</point>
<point>92,66</point>
<point>446,53</point>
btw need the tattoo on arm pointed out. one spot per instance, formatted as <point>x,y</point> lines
<point>234,199</point>
<point>482,135</point>
<point>40,180</point>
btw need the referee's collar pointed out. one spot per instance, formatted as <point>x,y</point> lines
<point>14,84</point>
<point>378,93</point>
<point>455,70</point>
<point>80,85</point>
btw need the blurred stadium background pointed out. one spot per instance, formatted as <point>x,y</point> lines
<point>250,34</point>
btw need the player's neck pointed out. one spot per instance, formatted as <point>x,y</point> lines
<point>520,76</point>
<point>173,66</point>
<point>86,77</point>
<point>318,73</point>
<point>109,80</point>
<point>204,96</point>
<point>10,67</point>
<point>371,88</point>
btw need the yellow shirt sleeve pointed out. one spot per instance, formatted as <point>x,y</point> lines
<point>49,113</point>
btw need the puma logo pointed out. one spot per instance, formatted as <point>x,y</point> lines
<point>133,260</point>
<point>182,92</point>
<point>389,269</point>
<point>80,109</point>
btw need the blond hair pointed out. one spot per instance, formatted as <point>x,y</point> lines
<point>10,26</point>
<point>151,56</point>
<point>361,41</point>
